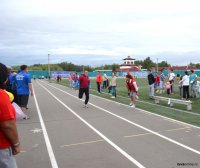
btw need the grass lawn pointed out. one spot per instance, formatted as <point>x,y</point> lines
<point>178,112</point>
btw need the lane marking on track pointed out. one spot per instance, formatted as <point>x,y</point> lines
<point>177,129</point>
<point>137,135</point>
<point>82,143</point>
<point>151,113</point>
<point>125,154</point>
<point>46,137</point>
<point>141,101</point>
<point>135,124</point>
<point>170,130</point>
<point>22,151</point>
<point>145,111</point>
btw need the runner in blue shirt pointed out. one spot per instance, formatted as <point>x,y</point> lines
<point>24,86</point>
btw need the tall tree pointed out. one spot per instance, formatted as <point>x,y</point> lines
<point>148,63</point>
<point>164,64</point>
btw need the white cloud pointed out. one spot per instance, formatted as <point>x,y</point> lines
<point>108,28</point>
<point>82,51</point>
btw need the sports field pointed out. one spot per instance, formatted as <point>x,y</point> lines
<point>177,112</point>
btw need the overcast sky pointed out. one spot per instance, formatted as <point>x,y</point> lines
<point>96,32</point>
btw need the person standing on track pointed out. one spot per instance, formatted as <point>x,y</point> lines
<point>9,140</point>
<point>84,83</point>
<point>24,86</point>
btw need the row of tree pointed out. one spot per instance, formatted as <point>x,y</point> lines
<point>148,63</point>
<point>68,66</point>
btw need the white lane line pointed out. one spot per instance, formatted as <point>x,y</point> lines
<point>46,137</point>
<point>154,104</point>
<point>96,131</point>
<point>171,130</point>
<point>82,143</point>
<point>145,111</point>
<point>137,125</point>
<point>148,112</point>
<point>137,135</point>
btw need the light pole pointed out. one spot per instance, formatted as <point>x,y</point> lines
<point>83,69</point>
<point>157,64</point>
<point>49,66</point>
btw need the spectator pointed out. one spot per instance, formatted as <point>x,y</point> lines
<point>113,84</point>
<point>71,80</point>
<point>133,88</point>
<point>151,81</point>
<point>9,81</point>
<point>185,83</point>
<point>105,80</point>
<point>132,77</point>
<point>180,85</point>
<point>193,83</point>
<point>9,141</point>
<point>14,86</point>
<point>84,83</point>
<point>157,82</point>
<point>24,86</point>
<point>168,87</point>
<point>58,78</point>
<point>171,77</point>
<point>98,81</point>
<point>162,79</point>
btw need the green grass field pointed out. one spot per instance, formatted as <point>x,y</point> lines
<point>177,112</point>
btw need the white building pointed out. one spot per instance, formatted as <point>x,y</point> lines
<point>129,64</point>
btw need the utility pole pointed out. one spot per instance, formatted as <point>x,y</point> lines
<point>157,64</point>
<point>49,66</point>
<point>83,69</point>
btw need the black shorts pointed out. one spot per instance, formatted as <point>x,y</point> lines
<point>22,100</point>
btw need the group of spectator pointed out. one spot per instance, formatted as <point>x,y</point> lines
<point>58,78</point>
<point>14,87</point>
<point>187,83</point>
<point>111,85</point>
<point>74,78</point>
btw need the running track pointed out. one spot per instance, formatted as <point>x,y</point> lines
<point>61,133</point>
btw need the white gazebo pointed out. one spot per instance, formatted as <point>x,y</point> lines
<point>129,63</point>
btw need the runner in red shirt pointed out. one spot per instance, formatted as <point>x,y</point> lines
<point>84,83</point>
<point>9,141</point>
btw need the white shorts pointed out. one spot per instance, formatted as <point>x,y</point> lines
<point>162,85</point>
<point>132,94</point>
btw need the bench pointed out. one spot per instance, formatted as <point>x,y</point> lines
<point>171,101</point>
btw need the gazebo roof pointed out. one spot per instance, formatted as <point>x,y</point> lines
<point>128,58</point>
